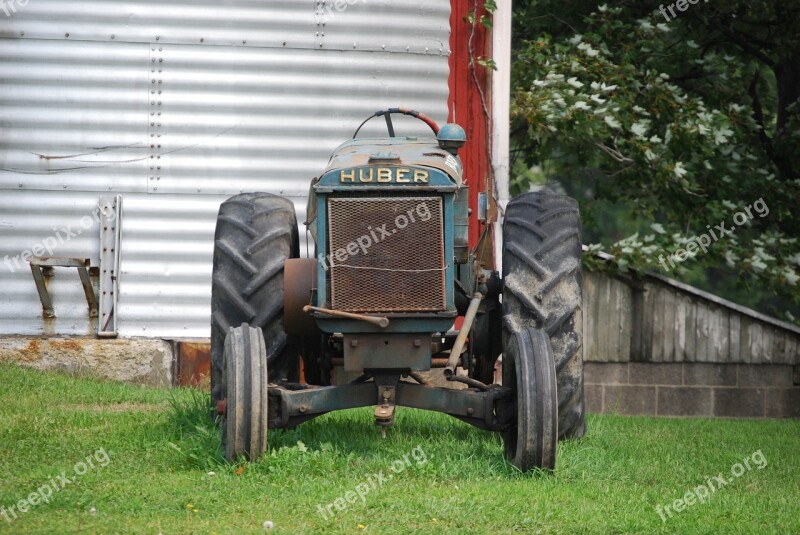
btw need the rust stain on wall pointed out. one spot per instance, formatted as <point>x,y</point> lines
<point>194,364</point>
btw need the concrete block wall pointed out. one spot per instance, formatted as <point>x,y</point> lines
<point>693,389</point>
<point>655,346</point>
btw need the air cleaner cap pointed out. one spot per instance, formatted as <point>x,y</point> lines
<point>451,137</point>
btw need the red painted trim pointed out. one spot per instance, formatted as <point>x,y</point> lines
<point>465,104</point>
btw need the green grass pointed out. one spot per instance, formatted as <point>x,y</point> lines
<point>162,448</point>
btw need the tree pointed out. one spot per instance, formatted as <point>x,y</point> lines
<point>691,121</point>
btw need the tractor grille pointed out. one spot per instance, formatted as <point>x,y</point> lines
<point>400,267</point>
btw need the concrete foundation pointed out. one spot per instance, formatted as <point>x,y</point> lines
<point>138,361</point>
<point>633,388</point>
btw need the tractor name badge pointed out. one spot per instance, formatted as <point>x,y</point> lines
<point>384,175</point>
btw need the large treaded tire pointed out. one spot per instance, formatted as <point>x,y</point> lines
<point>256,233</point>
<point>542,289</point>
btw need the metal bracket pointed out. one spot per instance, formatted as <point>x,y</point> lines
<point>110,232</point>
<point>387,399</point>
<point>42,266</point>
<point>483,206</point>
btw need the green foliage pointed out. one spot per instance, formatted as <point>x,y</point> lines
<point>678,121</point>
<point>486,63</point>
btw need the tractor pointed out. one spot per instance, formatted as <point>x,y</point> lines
<point>392,273</point>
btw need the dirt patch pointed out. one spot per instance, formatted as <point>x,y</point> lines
<point>117,407</point>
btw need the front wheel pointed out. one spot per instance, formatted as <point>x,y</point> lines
<point>244,385</point>
<point>529,369</point>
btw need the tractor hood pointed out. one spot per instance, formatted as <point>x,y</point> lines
<point>396,153</point>
<point>398,163</point>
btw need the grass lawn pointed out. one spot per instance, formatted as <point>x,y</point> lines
<point>163,471</point>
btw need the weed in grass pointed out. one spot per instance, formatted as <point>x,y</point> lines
<point>199,435</point>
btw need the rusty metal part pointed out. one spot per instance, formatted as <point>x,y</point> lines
<point>299,275</point>
<point>387,397</point>
<point>387,253</point>
<point>384,415</point>
<point>435,362</point>
<point>419,378</point>
<point>222,407</point>
<point>42,266</point>
<point>378,321</point>
<point>469,381</point>
<point>458,346</point>
<point>192,363</point>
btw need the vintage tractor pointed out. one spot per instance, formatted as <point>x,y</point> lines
<point>392,273</point>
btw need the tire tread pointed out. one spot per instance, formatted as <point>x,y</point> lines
<point>256,233</point>
<point>542,251</point>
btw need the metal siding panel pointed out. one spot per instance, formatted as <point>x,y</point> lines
<point>386,25</point>
<point>261,111</point>
<point>165,265</point>
<point>166,260</point>
<point>246,120</point>
<point>257,22</point>
<point>218,119</point>
<point>27,221</point>
<point>74,115</point>
<point>392,25</point>
<point>165,280</point>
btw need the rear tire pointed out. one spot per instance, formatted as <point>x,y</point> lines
<point>542,289</point>
<point>244,424</point>
<point>256,233</point>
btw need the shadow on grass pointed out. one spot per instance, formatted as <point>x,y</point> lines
<point>340,437</point>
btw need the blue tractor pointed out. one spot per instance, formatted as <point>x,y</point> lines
<point>391,274</point>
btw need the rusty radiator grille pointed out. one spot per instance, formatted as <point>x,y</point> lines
<point>386,254</point>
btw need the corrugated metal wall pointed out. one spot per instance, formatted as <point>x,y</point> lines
<point>175,106</point>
